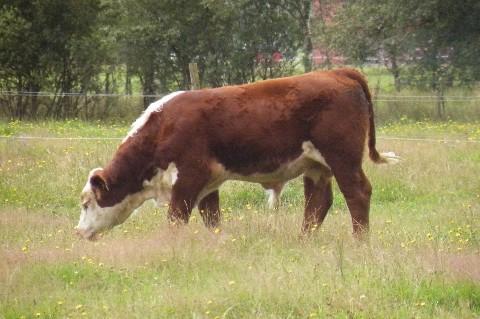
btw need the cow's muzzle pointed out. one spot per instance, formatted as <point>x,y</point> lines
<point>85,234</point>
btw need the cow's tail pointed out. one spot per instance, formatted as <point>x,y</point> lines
<point>375,156</point>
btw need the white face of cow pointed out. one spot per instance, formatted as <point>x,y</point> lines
<point>95,219</point>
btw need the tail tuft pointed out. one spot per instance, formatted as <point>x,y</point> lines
<point>389,158</point>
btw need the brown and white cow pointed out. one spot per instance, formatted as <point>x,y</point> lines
<point>187,144</point>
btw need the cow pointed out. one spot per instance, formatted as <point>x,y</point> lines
<point>184,146</point>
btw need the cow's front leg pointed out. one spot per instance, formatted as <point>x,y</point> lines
<point>209,208</point>
<point>185,192</point>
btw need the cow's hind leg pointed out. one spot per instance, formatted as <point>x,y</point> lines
<point>209,208</point>
<point>357,191</point>
<point>318,198</point>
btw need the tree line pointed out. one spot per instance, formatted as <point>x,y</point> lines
<point>145,46</point>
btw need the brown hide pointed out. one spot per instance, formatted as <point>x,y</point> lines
<point>255,128</point>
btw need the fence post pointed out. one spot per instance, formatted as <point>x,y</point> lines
<point>194,77</point>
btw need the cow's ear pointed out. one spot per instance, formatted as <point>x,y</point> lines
<point>99,182</point>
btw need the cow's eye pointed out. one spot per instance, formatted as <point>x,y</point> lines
<point>85,204</point>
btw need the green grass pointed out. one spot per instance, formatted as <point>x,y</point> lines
<point>68,128</point>
<point>414,104</point>
<point>421,261</point>
<point>379,79</point>
<point>449,130</point>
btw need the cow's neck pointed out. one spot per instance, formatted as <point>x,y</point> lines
<point>131,166</point>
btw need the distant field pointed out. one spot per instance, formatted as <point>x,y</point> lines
<point>422,260</point>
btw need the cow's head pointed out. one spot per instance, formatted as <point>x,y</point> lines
<point>104,206</point>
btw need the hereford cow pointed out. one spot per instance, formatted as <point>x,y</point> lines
<point>187,144</point>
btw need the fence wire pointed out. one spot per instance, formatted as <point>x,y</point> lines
<point>50,94</point>
<point>389,108</point>
<point>379,97</point>
<point>391,138</point>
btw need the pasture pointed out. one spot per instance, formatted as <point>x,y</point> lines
<point>422,259</point>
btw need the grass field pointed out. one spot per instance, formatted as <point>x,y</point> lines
<point>422,260</point>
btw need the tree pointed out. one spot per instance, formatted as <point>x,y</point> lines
<point>19,59</point>
<point>367,28</point>
<point>231,41</point>
<point>433,41</point>
<point>49,45</point>
<point>301,11</point>
<point>69,46</point>
<point>445,46</point>
<point>270,35</point>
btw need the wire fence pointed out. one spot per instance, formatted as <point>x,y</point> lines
<point>50,94</point>
<point>379,97</point>
<point>391,138</point>
<point>88,106</point>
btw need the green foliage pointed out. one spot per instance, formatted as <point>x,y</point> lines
<point>129,46</point>
<point>49,45</point>
<point>105,46</point>
<point>232,42</point>
<point>433,41</point>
